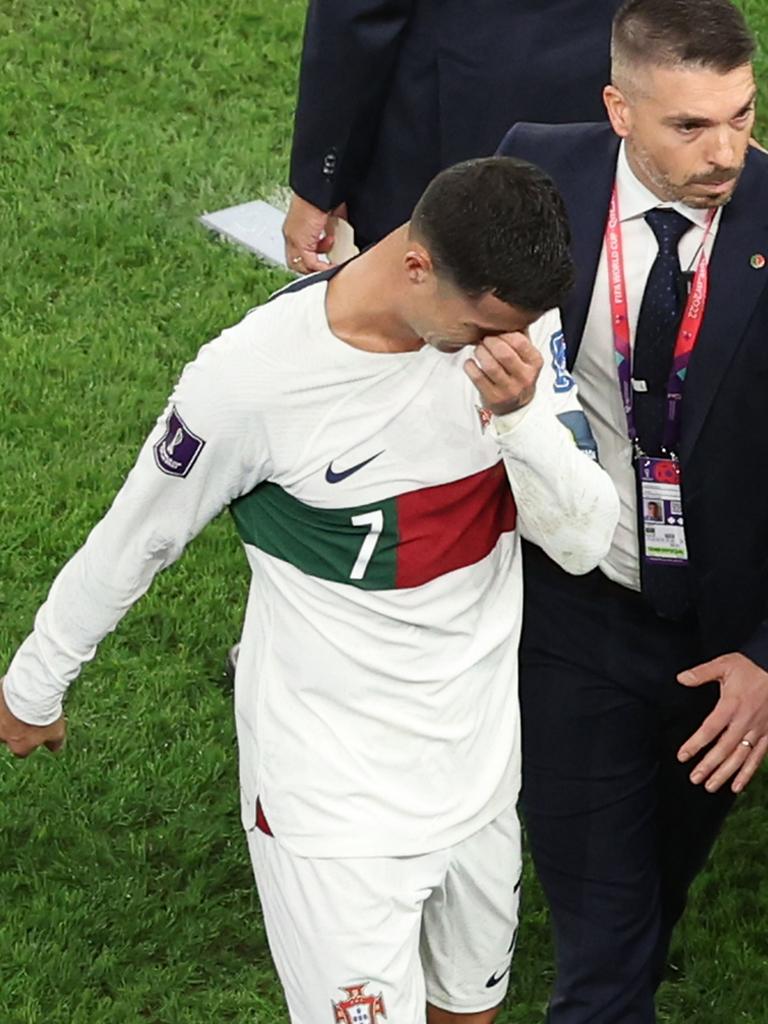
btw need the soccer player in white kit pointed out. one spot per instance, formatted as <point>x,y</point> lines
<point>382,433</point>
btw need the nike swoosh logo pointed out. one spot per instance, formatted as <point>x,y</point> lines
<point>493,980</point>
<point>334,478</point>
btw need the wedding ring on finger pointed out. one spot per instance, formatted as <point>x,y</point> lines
<point>747,743</point>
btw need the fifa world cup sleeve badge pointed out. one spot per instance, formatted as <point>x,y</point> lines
<point>179,448</point>
<point>359,1007</point>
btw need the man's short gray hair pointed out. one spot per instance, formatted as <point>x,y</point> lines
<point>709,34</point>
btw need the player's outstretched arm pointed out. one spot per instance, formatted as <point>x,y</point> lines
<point>22,738</point>
<point>206,449</point>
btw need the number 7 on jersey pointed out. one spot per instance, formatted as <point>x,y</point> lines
<point>375,522</point>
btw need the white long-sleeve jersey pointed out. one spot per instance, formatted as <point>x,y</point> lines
<point>376,689</point>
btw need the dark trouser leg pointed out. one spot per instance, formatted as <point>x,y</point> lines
<point>689,819</point>
<point>616,830</point>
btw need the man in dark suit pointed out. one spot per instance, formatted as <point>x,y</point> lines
<point>643,684</point>
<point>393,91</point>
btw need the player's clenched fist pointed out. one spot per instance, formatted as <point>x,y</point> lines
<point>504,369</point>
<point>21,738</point>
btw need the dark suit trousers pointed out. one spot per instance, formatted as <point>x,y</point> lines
<point>616,829</point>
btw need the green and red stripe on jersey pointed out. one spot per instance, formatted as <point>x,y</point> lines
<point>403,541</point>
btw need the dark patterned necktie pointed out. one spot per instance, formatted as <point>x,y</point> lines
<point>665,587</point>
<point>657,324</point>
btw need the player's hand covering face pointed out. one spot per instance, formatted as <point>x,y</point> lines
<point>504,369</point>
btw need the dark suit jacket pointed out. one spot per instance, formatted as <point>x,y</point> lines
<point>724,445</point>
<point>393,91</point>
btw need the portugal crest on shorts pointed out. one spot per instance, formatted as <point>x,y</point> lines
<point>358,1007</point>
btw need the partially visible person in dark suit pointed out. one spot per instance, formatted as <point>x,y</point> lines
<point>643,684</point>
<point>393,91</point>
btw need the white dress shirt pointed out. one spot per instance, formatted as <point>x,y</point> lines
<point>595,370</point>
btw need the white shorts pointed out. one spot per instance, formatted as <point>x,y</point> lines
<point>355,939</point>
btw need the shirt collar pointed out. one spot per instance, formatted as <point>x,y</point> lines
<point>635,200</point>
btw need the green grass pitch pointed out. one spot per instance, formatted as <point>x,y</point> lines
<point>125,887</point>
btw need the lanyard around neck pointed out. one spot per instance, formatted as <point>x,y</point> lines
<point>687,335</point>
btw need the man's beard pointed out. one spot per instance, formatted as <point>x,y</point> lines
<point>668,191</point>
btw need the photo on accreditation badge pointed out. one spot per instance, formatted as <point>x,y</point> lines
<point>654,512</point>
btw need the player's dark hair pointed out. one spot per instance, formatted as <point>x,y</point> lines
<point>497,225</point>
<point>667,33</point>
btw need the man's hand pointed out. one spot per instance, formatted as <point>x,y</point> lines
<point>21,738</point>
<point>739,719</point>
<point>504,370</point>
<point>308,233</point>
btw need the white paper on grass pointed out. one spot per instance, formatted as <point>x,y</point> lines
<point>258,226</point>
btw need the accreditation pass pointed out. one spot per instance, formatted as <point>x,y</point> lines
<point>662,511</point>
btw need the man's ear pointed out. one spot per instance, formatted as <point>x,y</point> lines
<point>618,108</point>
<point>417,262</point>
